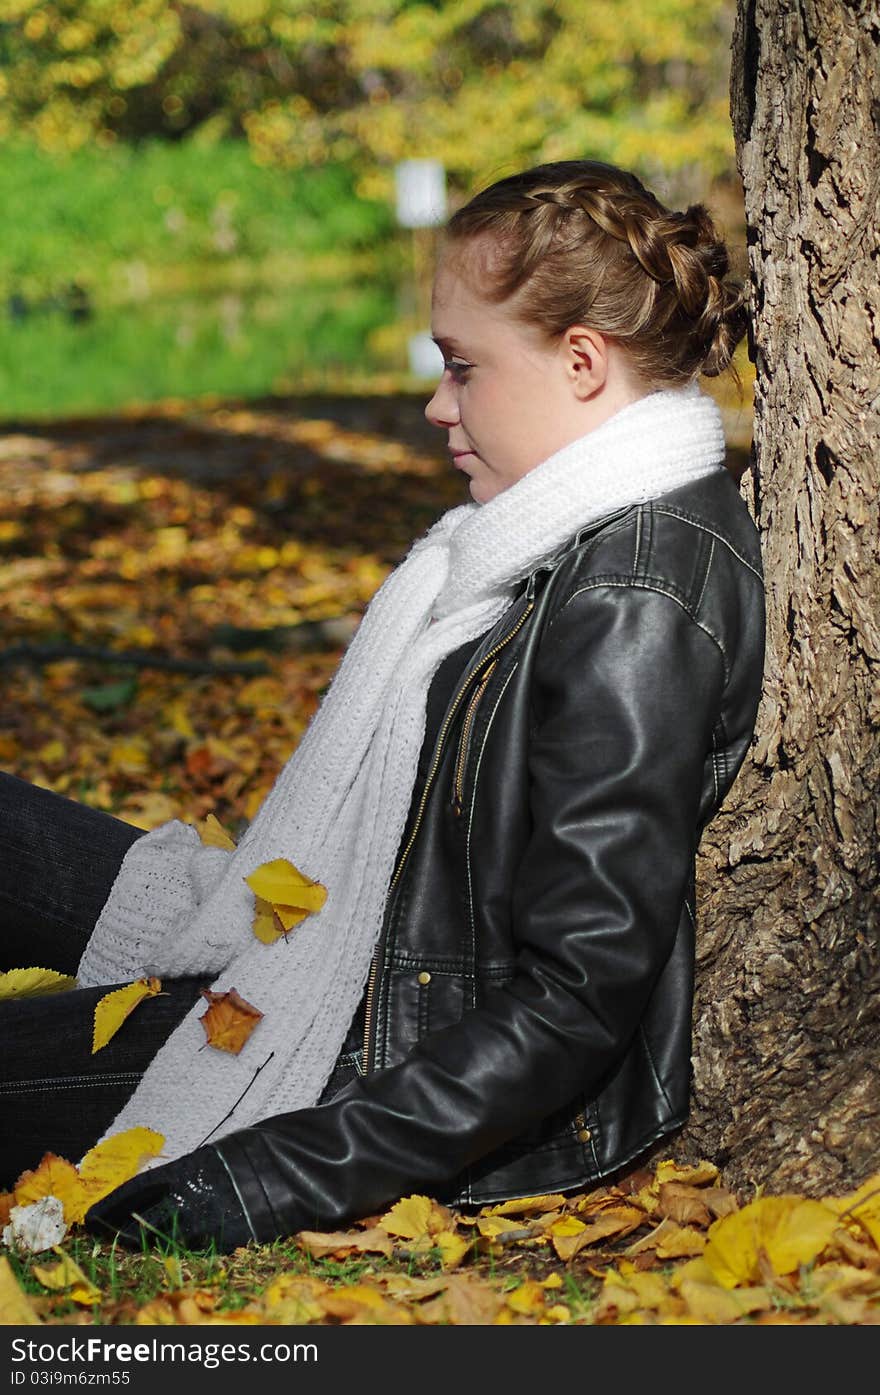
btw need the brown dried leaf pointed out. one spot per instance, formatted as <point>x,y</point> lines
<point>682,1203</point>
<point>229,1021</point>
<point>318,1243</point>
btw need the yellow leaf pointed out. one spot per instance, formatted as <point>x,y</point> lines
<point>558,1313</point>
<point>319,1243</point>
<point>452,1247</point>
<point>493,1226</point>
<point>791,1231</point>
<point>15,1307</point>
<point>112,1162</point>
<point>670,1171</point>
<point>528,1298</point>
<point>30,983</point>
<point>680,1243</point>
<point>229,1021</point>
<point>112,1010</point>
<point>567,1225</point>
<point>53,1176</point>
<point>416,1218</point>
<point>214,835</point>
<point>67,1274</point>
<point>712,1304</point>
<point>525,1205</point>
<point>284,892</point>
<point>861,1206</point>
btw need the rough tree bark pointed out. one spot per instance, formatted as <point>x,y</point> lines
<point>787,1026</point>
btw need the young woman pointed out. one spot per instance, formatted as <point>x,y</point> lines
<point>502,791</point>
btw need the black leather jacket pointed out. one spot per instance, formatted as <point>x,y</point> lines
<point>528,1017</point>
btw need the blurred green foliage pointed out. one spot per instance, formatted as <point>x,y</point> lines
<point>159,216</point>
<point>145,272</point>
<point>478,84</point>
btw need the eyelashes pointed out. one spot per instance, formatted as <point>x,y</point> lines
<point>457,369</point>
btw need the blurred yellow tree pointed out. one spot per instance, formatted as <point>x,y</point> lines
<point>479,85</point>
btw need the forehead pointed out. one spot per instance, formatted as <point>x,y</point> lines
<point>458,305</point>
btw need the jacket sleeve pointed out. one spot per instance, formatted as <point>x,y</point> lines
<point>627,688</point>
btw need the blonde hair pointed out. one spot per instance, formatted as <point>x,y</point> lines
<point>581,242</point>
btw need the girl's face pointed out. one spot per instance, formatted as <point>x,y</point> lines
<point>505,398</point>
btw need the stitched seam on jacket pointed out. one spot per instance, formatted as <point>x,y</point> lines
<point>479,762</point>
<point>647,586</point>
<point>698,523</point>
<point>706,577</point>
<point>650,1055</point>
<point>244,1211</point>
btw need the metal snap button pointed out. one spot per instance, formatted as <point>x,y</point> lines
<point>424,977</point>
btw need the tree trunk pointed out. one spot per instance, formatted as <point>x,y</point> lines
<point>787,1027</point>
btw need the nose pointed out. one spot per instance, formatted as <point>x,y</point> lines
<point>442,410</point>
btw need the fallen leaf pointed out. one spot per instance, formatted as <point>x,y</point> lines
<point>525,1205</point>
<point>415,1217</point>
<point>465,1301</point>
<point>318,1243</point>
<point>683,1203</point>
<point>229,1020</point>
<point>37,1226</point>
<point>669,1171</point>
<point>32,983</point>
<point>452,1246</point>
<point>527,1298</point>
<point>490,1227</point>
<point>601,1226</point>
<point>53,1176</point>
<point>710,1303</point>
<point>790,1231</point>
<point>15,1306</point>
<point>684,1242</point>
<point>112,1010</point>
<point>861,1207</point>
<point>283,891</point>
<point>66,1274</point>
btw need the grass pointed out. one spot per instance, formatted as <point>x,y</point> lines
<point>195,272</point>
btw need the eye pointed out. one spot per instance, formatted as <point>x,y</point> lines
<point>457,368</point>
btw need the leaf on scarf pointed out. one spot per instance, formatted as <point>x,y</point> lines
<point>112,1010</point>
<point>284,897</point>
<point>30,983</point>
<point>229,1020</point>
<point>213,834</point>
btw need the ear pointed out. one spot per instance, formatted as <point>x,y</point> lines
<point>585,356</point>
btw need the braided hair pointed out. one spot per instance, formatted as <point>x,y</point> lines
<point>581,242</point>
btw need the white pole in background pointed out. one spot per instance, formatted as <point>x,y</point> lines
<point>421,205</point>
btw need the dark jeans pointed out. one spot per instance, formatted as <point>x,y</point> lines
<point>58,860</point>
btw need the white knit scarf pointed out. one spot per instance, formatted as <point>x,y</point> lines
<point>338,808</point>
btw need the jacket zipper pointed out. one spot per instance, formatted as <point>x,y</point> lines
<point>438,751</point>
<point>458,777</point>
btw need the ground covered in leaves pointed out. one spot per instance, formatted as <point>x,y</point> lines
<point>176,589</point>
<point>668,1246</point>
